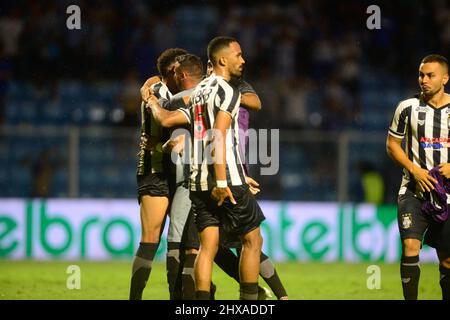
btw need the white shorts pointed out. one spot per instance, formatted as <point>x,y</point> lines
<point>179,211</point>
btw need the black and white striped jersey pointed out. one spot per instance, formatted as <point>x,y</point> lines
<point>152,161</point>
<point>209,97</point>
<point>427,133</point>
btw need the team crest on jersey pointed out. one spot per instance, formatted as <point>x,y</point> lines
<point>406,220</point>
<point>421,109</point>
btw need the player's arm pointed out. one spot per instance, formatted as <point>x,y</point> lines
<point>166,118</point>
<point>253,185</point>
<point>221,191</point>
<point>395,151</point>
<point>146,90</point>
<point>176,144</point>
<point>251,101</point>
<point>249,98</point>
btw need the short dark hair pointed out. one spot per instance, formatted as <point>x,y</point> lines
<point>217,44</point>
<point>190,63</point>
<point>436,58</point>
<point>166,58</point>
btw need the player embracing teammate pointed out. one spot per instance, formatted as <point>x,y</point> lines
<point>218,188</point>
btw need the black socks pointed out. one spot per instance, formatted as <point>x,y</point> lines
<point>187,278</point>
<point>249,291</point>
<point>142,266</point>
<point>269,274</point>
<point>174,259</point>
<point>410,274</point>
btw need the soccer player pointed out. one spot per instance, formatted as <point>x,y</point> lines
<point>214,104</point>
<point>182,241</point>
<point>152,178</point>
<point>187,74</point>
<point>225,258</point>
<point>424,121</point>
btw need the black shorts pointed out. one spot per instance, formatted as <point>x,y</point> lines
<point>233,219</point>
<point>413,224</point>
<point>438,236</point>
<point>190,239</point>
<point>230,242</point>
<point>154,184</point>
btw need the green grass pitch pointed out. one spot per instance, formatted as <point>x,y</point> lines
<point>110,281</point>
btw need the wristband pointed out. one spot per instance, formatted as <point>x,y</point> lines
<point>221,183</point>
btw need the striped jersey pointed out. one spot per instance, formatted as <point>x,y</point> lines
<point>181,167</point>
<point>208,98</point>
<point>152,161</point>
<point>427,133</point>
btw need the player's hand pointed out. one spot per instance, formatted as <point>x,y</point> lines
<point>174,145</point>
<point>423,179</point>
<point>146,90</point>
<point>444,170</point>
<point>253,185</point>
<point>151,101</point>
<point>220,194</point>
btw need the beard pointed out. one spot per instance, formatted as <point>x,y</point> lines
<point>429,93</point>
<point>237,74</point>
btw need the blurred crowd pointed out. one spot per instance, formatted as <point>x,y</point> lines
<point>293,48</point>
<point>313,62</point>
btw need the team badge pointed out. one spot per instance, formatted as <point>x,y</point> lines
<point>406,220</point>
<point>421,109</point>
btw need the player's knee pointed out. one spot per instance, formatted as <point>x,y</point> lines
<point>411,247</point>
<point>150,235</point>
<point>252,241</point>
<point>154,238</point>
<point>209,248</point>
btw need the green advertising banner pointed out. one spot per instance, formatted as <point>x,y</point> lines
<point>110,229</point>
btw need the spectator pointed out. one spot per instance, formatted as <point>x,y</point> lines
<point>372,183</point>
<point>43,169</point>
